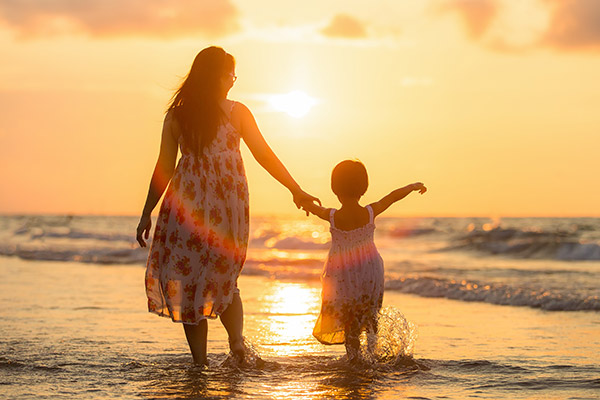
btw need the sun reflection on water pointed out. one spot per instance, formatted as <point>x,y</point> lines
<point>291,311</point>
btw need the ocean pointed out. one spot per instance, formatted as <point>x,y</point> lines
<point>474,308</point>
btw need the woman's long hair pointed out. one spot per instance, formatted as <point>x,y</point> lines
<point>195,105</point>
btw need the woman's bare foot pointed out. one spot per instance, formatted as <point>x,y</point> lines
<point>237,348</point>
<point>203,362</point>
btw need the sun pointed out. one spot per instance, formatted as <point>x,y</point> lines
<point>296,103</point>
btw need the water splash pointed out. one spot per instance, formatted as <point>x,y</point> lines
<point>394,342</point>
<point>252,358</point>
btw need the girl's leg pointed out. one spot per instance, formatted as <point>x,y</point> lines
<point>233,321</point>
<point>372,331</point>
<point>197,336</point>
<point>352,341</point>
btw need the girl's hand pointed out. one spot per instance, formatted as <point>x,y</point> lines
<point>301,198</point>
<point>143,230</point>
<point>419,186</point>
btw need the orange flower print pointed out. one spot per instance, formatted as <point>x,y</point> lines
<point>198,216</point>
<point>171,289</point>
<point>164,214</point>
<point>196,168</point>
<point>166,255</point>
<point>194,243</point>
<point>227,287</point>
<point>210,289</point>
<point>221,265</point>
<point>204,257</point>
<point>188,314</point>
<point>231,142</point>
<point>219,192</point>
<point>201,232</point>
<point>240,189</point>
<point>212,238</point>
<point>176,182</point>
<point>180,214</point>
<point>190,291</point>
<point>152,306</point>
<point>154,259</point>
<point>174,238</point>
<point>228,183</point>
<point>189,192</point>
<point>182,267</point>
<point>150,282</point>
<point>215,216</point>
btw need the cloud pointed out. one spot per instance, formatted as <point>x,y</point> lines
<point>508,25</point>
<point>155,18</point>
<point>574,24</point>
<point>345,26</point>
<point>477,15</point>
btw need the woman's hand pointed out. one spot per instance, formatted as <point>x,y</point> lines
<point>143,230</point>
<point>301,198</point>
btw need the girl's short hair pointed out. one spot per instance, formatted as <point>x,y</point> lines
<point>349,179</point>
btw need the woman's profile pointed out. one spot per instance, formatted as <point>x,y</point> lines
<point>199,244</point>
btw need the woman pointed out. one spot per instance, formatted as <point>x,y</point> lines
<point>199,245</point>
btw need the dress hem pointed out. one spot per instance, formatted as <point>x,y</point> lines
<point>161,314</point>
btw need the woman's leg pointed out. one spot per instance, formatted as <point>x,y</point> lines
<point>233,321</point>
<point>197,336</point>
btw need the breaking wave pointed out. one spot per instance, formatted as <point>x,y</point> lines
<point>500,294</point>
<point>560,245</point>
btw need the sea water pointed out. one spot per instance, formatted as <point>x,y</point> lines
<point>473,308</point>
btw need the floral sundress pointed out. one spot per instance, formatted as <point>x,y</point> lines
<point>352,282</point>
<point>199,245</point>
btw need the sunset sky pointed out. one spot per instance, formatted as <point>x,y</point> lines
<point>493,104</point>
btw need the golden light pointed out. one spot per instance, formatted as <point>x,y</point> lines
<point>292,310</point>
<point>296,103</point>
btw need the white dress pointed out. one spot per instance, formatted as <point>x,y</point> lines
<point>352,283</point>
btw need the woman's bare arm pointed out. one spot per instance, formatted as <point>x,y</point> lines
<point>163,171</point>
<point>396,195</point>
<point>265,156</point>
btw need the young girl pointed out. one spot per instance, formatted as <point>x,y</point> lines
<point>353,273</point>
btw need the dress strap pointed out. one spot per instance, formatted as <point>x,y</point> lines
<point>371,218</point>
<point>331,212</point>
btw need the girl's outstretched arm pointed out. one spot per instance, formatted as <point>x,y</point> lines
<point>398,194</point>
<point>267,158</point>
<point>317,210</point>
<point>163,171</point>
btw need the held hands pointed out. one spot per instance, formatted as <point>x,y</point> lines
<point>418,186</point>
<point>143,230</point>
<point>301,198</point>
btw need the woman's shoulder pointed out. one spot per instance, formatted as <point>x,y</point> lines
<point>239,108</point>
<point>240,115</point>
